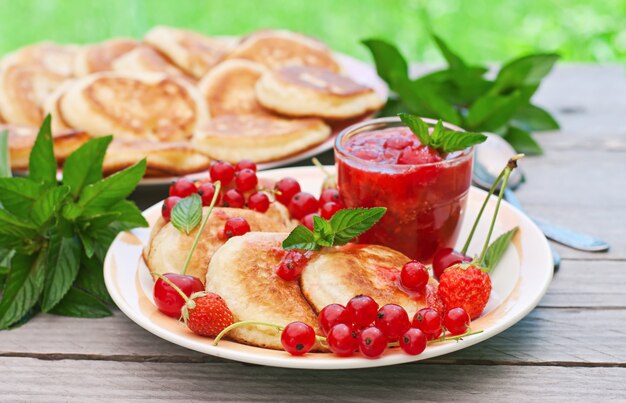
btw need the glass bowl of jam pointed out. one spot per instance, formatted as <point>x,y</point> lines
<point>381,163</point>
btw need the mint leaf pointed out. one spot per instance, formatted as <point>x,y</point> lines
<point>417,126</point>
<point>441,140</point>
<point>390,64</point>
<point>425,99</point>
<point>16,226</point>
<point>23,287</point>
<point>454,61</point>
<point>17,195</point>
<point>300,238</point>
<point>80,304</point>
<point>84,166</point>
<point>350,223</point>
<point>522,141</point>
<point>457,141</point>
<point>42,165</point>
<point>533,118</point>
<point>492,112</point>
<point>5,161</point>
<point>48,204</point>
<point>91,279</point>
<point>187,214</point>
<point>524,71</point>
<point>323,231</point>
<point>129,215</point>
<point>62,264</point>
<point>497,248</point>
<point>438,135</point>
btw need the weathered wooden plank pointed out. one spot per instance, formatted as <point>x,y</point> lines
<point>112,381</point>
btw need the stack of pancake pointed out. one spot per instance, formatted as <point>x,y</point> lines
<point>180,98</point>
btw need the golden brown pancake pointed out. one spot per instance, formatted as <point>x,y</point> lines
<point>163,159</point>
<point>259,138</point>
<point>22,139</point>
<point>334,275</point>
<point>229,88</point>
<point>147,106</point>
<point>276,49</point>
<point>168,247</point>
<point>99,57</point>
<point>52,107</point>
<point>313,91</point>
<point>53,57</point>
<point>194,53</point>
<point>242,272</point>
<point>145,59</point>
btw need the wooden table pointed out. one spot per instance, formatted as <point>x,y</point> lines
<point>573,345</point>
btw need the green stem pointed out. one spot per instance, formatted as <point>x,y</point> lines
<point>318,164</point>
<point>459,337</point>
<point>244,323</point>
<point>171,284</point>
<point>218,187</point>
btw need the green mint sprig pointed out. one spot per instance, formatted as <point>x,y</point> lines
<point>344,226</point>
<point>54,236</point>
<point>460,93</point>
<point>442,140</point>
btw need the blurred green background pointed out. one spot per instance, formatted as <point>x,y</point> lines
<point>480,30</point>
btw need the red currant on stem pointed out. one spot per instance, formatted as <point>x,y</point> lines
<point>167,299</point>
<point>413,341</point>
<point>329,195</point>
<point>246,180</point>
<point>168,205</point>
<point>245,164</point>
<point>342,340</point>
<point>393,321</point>
<point>308,222</point>
<point>233,198</point>
<point>414,276</point>
<point>332,315</point>
<point>222,171</point>
<point>182,188</point>
<point>329,209</point>
<point>362,310</point>
<point>297,338</point>
<point>428,320</point>
<point>206,192</point>
<point>372,342</point>
<point>236,226</point>
<point>291,265</point>
<point>456,321</point>
<point>301,204</point>
<point>258,201</point>
<point>285,189</point>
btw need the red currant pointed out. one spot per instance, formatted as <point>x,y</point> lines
<point>206,192</point>
<point>301,204</point>
<point>287,187</point>
<point>182,188</point>
<point>428,321</point>
<point>342,340</point>
<point>246,180</point>
<point>297,338</point>
<point>445,258</point>
<point>167,299</point>
<point>233,198</point>
<point>307,220</point>
<point>413,341</point>
<point>329,209</point>
<point>222,171</point>
<point>236,226</point>
<point>258,201</point>
<point>393,321</point>
<point>414,276</point>
<point>362,310</point>
<point>332,315</point>
<point>329,195</point>
<point>456,321</point>
<point>291,265</point>
<point>167,206</point>
<point>372,342</point>
<point>245,164</point>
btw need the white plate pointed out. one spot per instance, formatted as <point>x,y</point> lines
<point>519,282</point>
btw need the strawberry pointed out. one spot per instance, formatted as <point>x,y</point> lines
<point>465,286</point>
<point>206,314</point>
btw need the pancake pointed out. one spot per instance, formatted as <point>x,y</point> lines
<point>229,88</point>
<point>194,53</point>
<point>52,107</point>
<point>313,91</point>
<point>334,275</point>
<point>259,138</point>
<point>164,159</point>
<point>99,57</point>
<point>53,57</point>
<point>22,139</point>
<point>145,59</point>
<point>148,106</point>
<point>168,247</point>
<point>242,272</point>
<point>24,89</point>
<point>276,48</point>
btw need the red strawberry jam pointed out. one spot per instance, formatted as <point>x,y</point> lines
<point>382,163</point>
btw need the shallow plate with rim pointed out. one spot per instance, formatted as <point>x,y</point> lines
<point>519,282</point>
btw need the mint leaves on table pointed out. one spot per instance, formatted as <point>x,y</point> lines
<point>344,226</point>
<point>460,94</point>
<point>442,140</point>
<point>54,236</point>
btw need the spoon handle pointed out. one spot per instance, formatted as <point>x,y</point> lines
<point>562,235</point>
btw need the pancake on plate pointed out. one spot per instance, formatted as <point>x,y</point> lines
<point>148,106</point>
<point>194,53</point>
<point>276,48</point>
<point>22,139</point>
<point>163,159</point>
<point>53,57</point>
<point>146,59</point>
<point>334,275</point>
<point>259,138</point>
<point>168,247</point>
<point>229,88</point>
<point>242,272</point>
<point>24,89</point>
<point>314,91</point>
<point>52,107</point>
<point>99,57</point>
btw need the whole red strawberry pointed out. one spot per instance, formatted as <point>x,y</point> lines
<point>467,287</point>
<point>206,314</point>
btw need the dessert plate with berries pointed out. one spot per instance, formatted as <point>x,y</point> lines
<point>301,303</point>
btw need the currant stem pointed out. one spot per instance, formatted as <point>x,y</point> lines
<point>318,164</point>
<point>171,284</point>
<point>451,338</point>
<point>244,323</point>
<point>218,186</point>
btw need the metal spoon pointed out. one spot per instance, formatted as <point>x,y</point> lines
<point>485,172</point>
